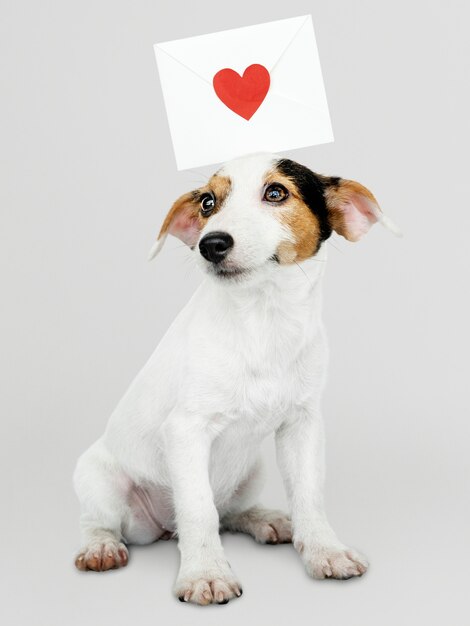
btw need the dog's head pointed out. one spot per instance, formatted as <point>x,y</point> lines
<point>262,209</point>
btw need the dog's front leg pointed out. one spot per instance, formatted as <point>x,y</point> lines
<point>300,452</point>
<point>205,576</point>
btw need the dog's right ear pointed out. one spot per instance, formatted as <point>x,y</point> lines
<point>181,221</point>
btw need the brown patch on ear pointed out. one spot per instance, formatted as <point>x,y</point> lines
<point>352,208</point>
<point>181,220</point>
<point>299,220</point>
<point>184,207</point>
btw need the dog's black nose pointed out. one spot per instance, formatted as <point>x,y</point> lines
<point>215,246</point>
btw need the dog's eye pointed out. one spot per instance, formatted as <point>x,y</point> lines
<point>207,204</point>
<point>275,193</point>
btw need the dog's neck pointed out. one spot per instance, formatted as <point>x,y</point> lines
<point>278,294</point>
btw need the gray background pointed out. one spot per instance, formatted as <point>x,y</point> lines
<point>87,174</point>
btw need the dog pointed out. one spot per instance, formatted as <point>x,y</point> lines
<point>245,358</point>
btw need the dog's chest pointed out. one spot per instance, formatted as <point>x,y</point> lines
<point>257,366</point>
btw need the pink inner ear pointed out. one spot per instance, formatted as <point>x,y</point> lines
<point>360,214</point>
<point>186,227</point>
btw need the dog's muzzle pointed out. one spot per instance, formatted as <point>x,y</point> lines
<point>214,247</point>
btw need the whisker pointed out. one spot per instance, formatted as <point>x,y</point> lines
<point>199,175</point>
<point>178,246</point>
<point>335,247</point>
<point>304,273</point>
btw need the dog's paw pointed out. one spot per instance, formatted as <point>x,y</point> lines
<point>264,525</point>
<point>100,557</point>
<point>333,562</point>
<point>211,587</point>
<point>273,527</point>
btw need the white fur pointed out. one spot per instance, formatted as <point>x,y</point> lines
<point>246,358</point>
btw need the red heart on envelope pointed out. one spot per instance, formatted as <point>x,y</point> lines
<point>242,94</point>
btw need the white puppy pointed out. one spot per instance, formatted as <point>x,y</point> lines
<point>244,359</point>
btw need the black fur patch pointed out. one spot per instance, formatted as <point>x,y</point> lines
<point>311,188</point>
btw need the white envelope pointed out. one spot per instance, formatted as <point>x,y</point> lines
<point>293,114</point>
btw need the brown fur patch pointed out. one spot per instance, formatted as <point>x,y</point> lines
<point>340,194</point>
<point>185,213</point>
<point>220,187</point>
<point>186,207</point>
<point>299,220</point>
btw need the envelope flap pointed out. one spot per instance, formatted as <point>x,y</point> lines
<point>237,49</point>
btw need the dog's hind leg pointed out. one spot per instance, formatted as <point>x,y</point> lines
<point>101,488</point>
<point>244,516</point>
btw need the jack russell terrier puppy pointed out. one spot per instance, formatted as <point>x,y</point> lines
<point>245,358</point>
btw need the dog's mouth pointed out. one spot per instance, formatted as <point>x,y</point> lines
<point>227,273</point>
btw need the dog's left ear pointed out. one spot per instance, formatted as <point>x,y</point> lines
<point>352,209</point>
<point>181,221</point>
